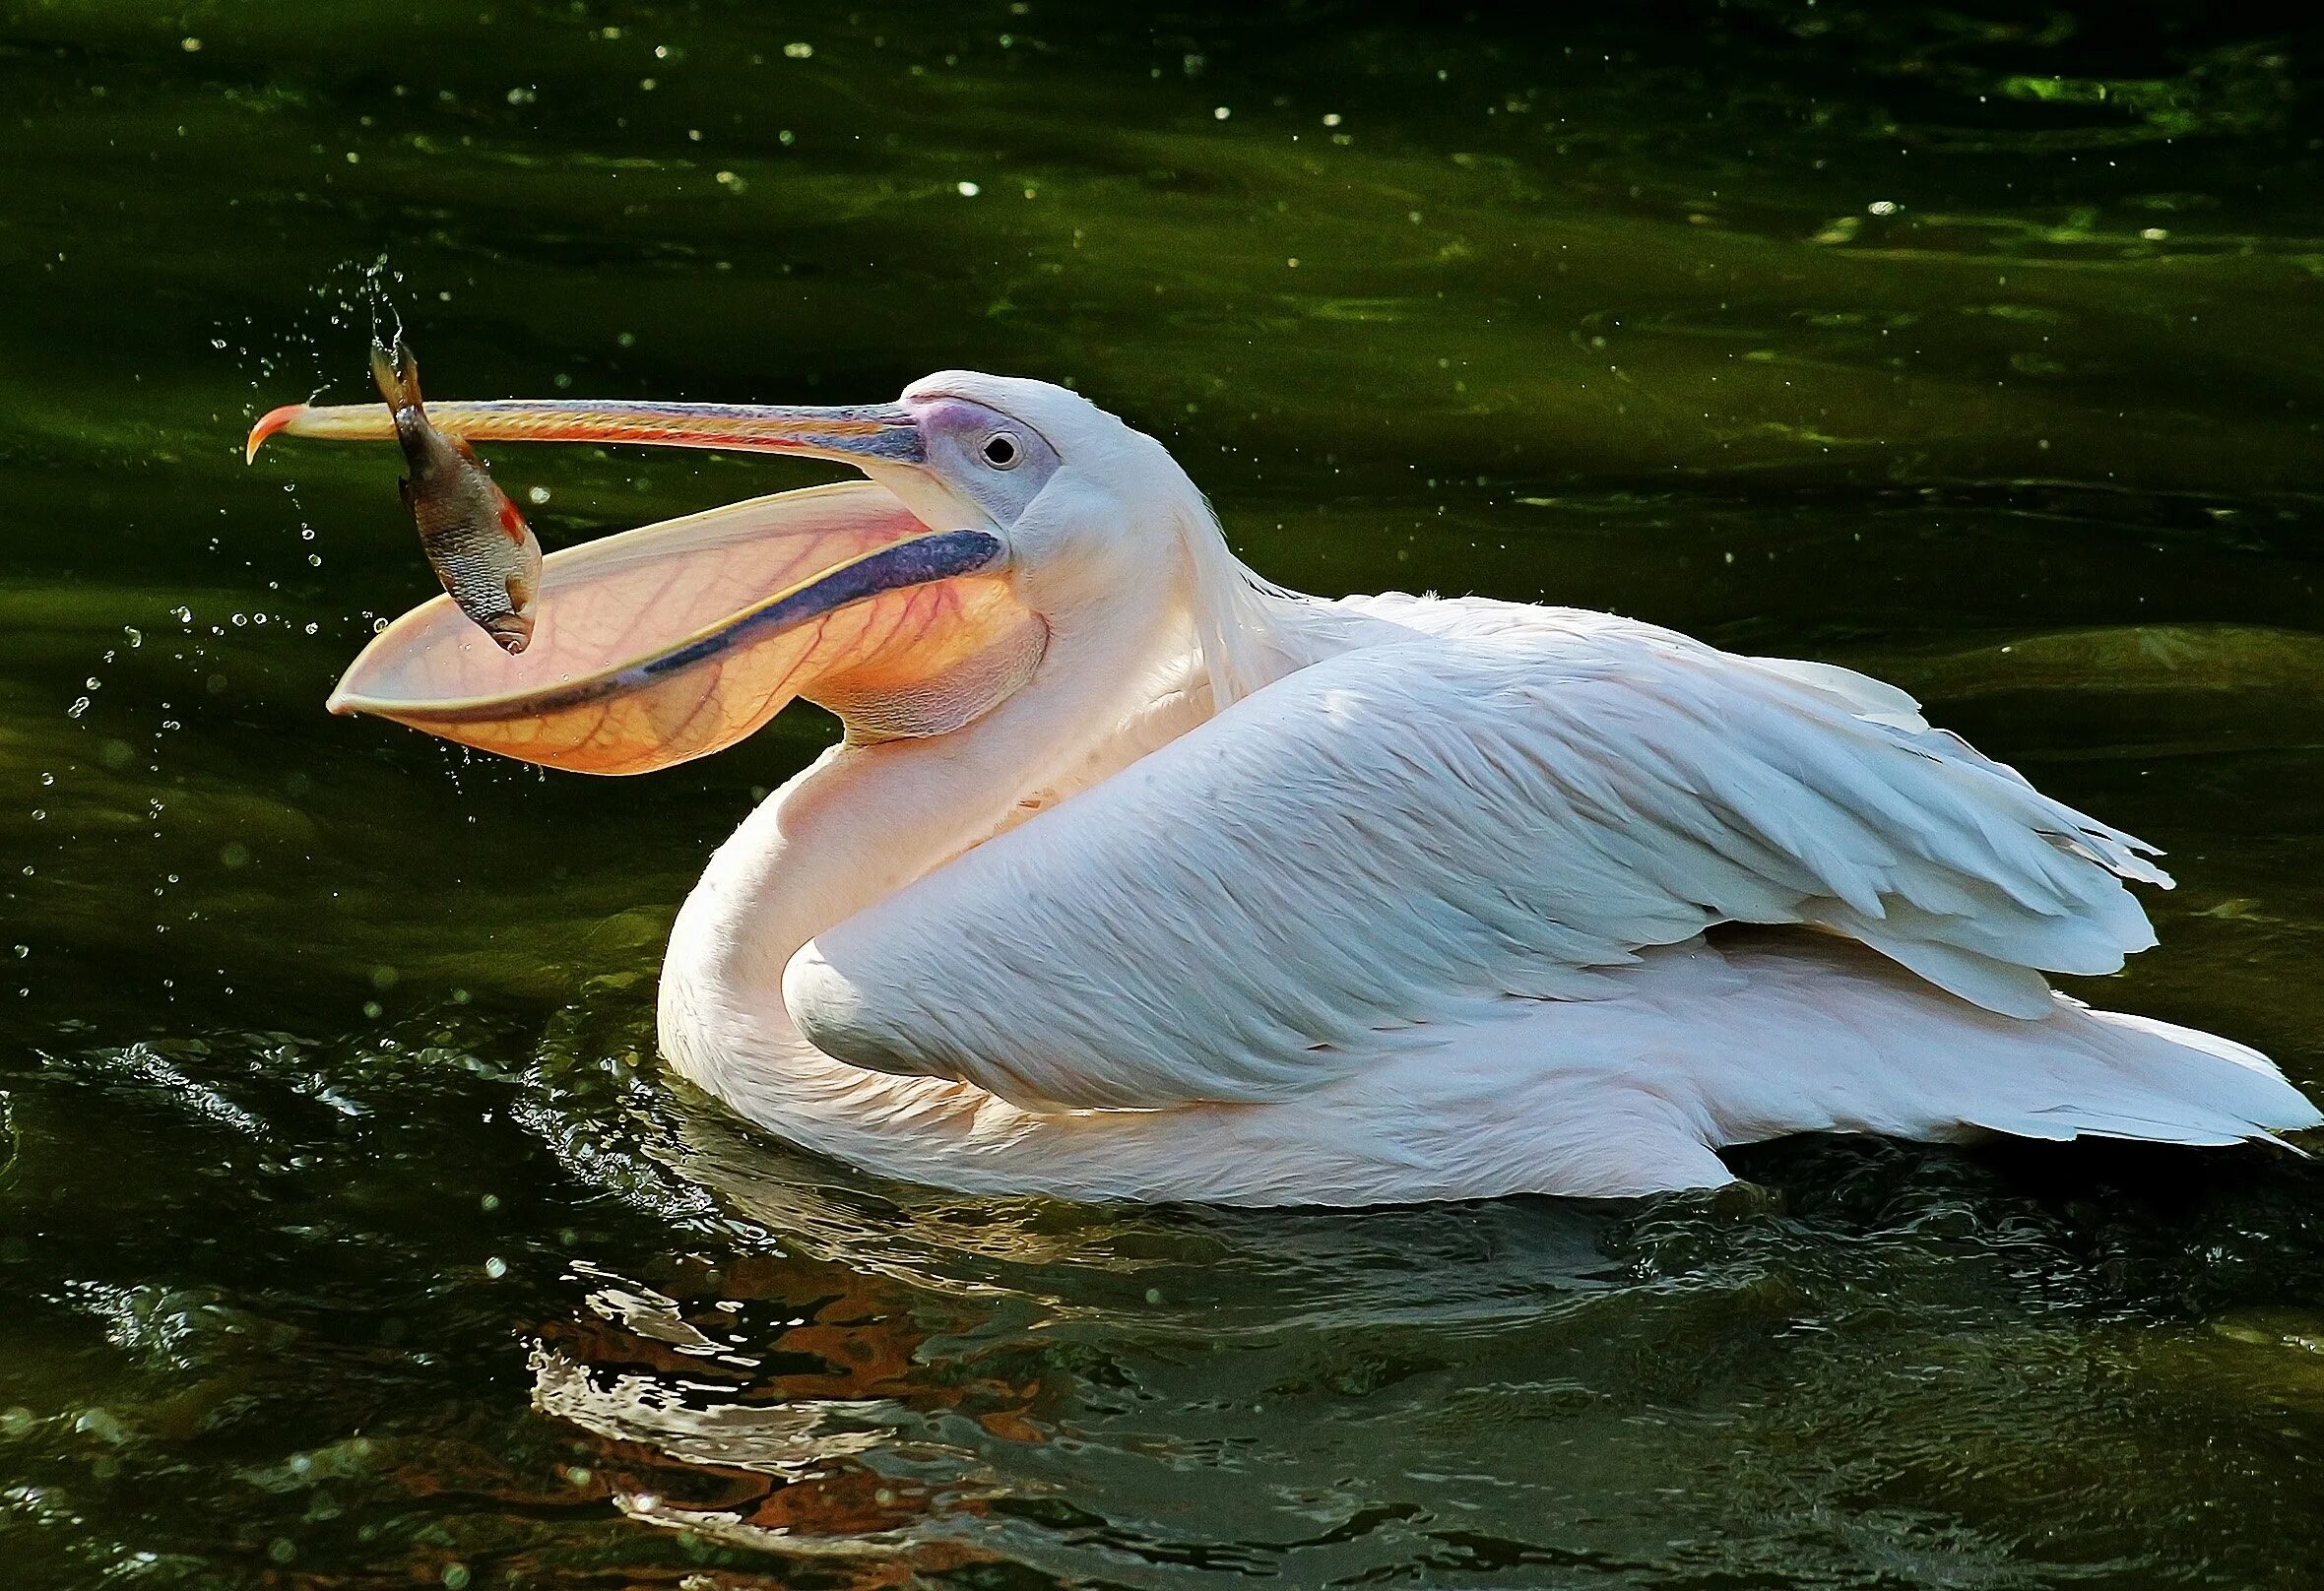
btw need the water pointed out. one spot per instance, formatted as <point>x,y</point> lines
<point>349,1234</point>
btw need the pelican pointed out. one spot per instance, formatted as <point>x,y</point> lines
<point>1135,877</point>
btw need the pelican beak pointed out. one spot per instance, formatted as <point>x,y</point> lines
<point>866,435</point>
<point>675,640</point>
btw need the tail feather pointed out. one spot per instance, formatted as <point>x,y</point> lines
<point>2132,1077</point>
<point>1815,1034</point>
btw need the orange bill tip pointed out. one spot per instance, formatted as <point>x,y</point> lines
<point>273,420</point>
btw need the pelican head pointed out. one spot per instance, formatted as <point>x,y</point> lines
<point>998,515</point>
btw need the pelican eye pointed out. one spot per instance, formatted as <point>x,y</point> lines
<point>1001,452</point>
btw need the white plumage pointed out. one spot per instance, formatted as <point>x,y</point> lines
<point>1396,839</point>
<point>1248,897</point>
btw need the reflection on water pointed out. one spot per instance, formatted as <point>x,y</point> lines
<point>1849,1377</point>
<point>350,1234</point>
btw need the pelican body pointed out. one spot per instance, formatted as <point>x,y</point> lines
<point>1135,877</point>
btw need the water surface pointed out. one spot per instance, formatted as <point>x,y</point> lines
<point>348,1234</point>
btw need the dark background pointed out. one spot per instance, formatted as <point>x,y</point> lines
<point>349,1234</point>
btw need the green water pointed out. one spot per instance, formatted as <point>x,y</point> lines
<point>349,1234</point>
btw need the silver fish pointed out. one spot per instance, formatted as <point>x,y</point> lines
<point>482,551</point>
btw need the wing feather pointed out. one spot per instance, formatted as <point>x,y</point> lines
<point>1398,836</point>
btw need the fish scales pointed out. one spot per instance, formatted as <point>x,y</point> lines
<point>485,555</point>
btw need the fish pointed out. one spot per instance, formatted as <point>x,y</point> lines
<point>484,552</point>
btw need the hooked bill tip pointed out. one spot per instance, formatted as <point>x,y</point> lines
<point>273,420</point>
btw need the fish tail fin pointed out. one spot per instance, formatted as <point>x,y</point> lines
<point>397,373</point>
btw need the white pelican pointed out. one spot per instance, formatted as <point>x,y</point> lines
<point>1135,877</point>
